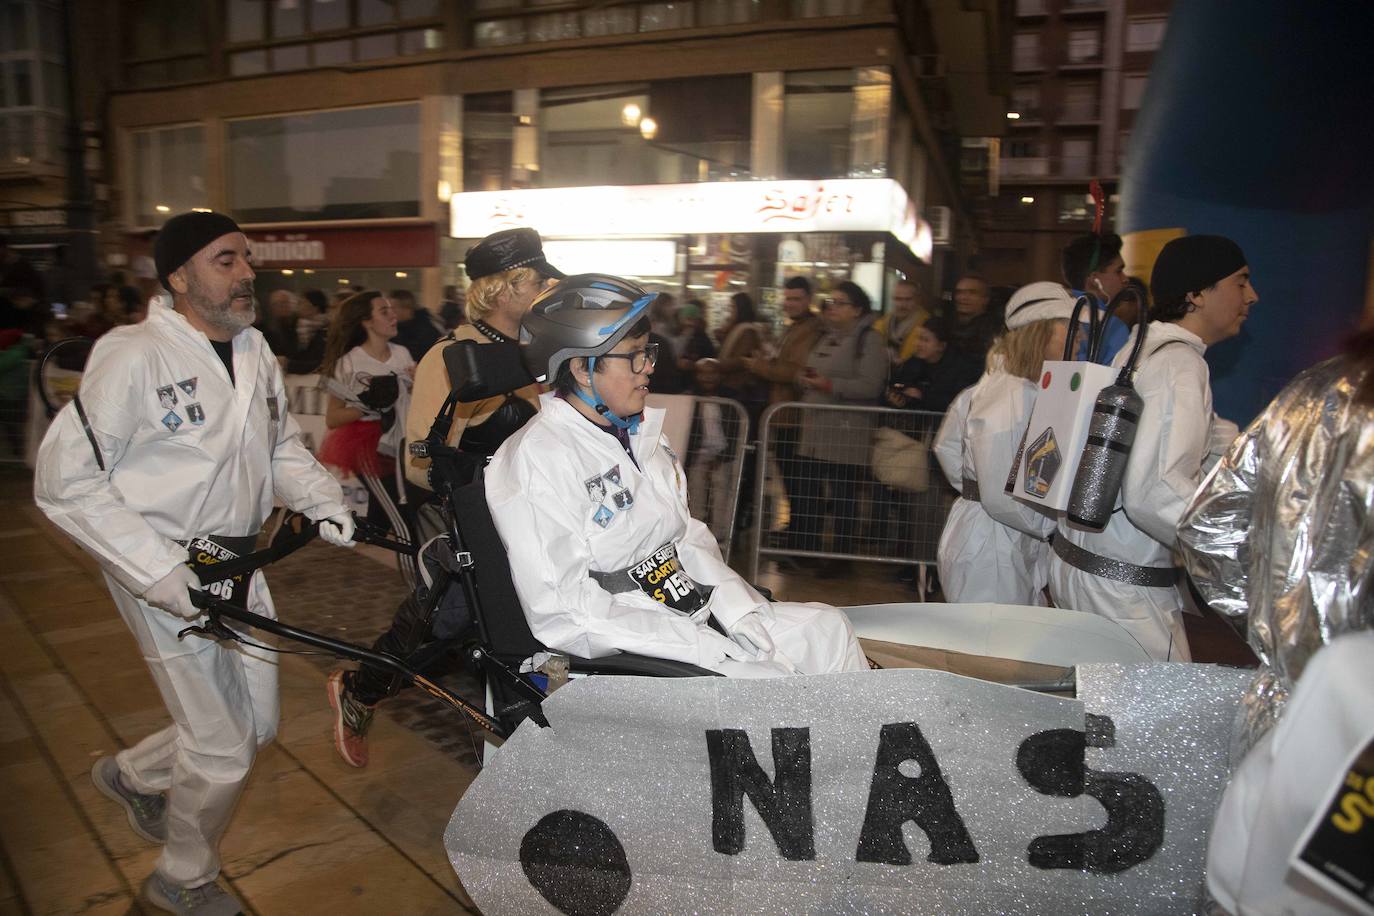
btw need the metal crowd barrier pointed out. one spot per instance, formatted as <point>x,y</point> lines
<point>718,451</point>
<point>819,495</point>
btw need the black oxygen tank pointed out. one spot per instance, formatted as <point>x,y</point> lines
<point>1111,432</point>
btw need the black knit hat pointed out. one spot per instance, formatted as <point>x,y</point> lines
<point>507,250</point>
<point>1193,263</point>
<point>183,235</point>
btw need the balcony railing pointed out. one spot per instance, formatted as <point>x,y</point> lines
<point>1025,167</point>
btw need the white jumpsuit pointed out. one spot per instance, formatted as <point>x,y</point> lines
<point>993,549</point>
<point>567,500</point>
<point>187,454</point>
<point>1174,443</point>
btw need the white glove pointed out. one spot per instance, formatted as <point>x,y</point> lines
<point>338,529</point>
<point>171,592</point>
<point>751,635</point>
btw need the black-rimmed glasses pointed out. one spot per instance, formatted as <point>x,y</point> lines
<point>639,359</point>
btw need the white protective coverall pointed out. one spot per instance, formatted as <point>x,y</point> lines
<point>1291,774</point>
<point>992,549</point>
<point>568,500</point>
<point>1177,439</point>
<point>187,455</point>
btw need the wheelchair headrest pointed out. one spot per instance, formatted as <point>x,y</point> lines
<point>480,371</point>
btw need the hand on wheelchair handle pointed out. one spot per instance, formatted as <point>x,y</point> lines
<point>338,529</point>
<point>175,593</point>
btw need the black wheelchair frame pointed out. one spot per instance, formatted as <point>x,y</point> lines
<point>476,562</point>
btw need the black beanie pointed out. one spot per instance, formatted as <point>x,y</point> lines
<point>1193,263</point>
<point>183,235</point>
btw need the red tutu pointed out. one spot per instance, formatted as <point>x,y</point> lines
<point>353,447</point>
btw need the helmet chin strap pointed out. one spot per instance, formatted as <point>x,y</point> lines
<point>600,406</point>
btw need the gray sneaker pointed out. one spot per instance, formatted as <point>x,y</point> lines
<point>147,813</point>
<point>206,900</point>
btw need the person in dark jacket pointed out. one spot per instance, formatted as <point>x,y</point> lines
<point>927,382</point>
<point>935,373</point>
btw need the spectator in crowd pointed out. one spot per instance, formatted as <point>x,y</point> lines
<point>1126,572</point>
<point>934,374</point>
<point>278,325</point>
<point>312,328</point>
<point>1128,308</point>
<point>508,271</point>
<point>14,376</point>
<point>743,339</point>
<point>90,320</point>
<point>22,285</point>
<point>123,305</point>
<point>368,379</point>
<point>416,327</point>
<point>692,342</point>
<point>993,547</point>
<point>781,371</point>
<point>974,327</point>
<point>1093,267</point>
<point>900,327</point>
<point>848,366</point>
<point>452,311</point>
<point>928,381</point>
<point>667,377</point>
<point>712,447</point>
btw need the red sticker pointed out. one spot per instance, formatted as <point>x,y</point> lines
<point>1045,382</point>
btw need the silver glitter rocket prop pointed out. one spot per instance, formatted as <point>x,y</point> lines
<point>897,791</point>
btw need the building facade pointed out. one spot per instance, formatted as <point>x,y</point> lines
<point>1079,69</point>
<point>704,147</point>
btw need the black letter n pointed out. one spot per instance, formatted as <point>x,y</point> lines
<point>784,804</point>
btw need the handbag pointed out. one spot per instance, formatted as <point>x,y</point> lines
<point>900,461</point>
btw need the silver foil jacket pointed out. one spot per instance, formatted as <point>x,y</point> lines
<point>1281,532</point>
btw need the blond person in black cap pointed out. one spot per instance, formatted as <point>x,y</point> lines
<point>182,447</point>
<point>1201,285</point>
<point>507,270</point>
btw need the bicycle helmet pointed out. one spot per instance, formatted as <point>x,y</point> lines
<point>583,315</point>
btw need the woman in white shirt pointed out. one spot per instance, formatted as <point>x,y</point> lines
<point>368,379</point>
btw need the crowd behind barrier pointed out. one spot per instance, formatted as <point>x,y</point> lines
<point>848,483</point>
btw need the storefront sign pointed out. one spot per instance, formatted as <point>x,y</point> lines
<point>342,247</point>
<point>897,791</point>
<point>838,205</point>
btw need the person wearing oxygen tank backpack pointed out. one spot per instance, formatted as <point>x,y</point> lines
<point>993,546</point>
<point>1202,292</point>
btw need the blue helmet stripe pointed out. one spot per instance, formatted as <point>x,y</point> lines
<point>639,305</point>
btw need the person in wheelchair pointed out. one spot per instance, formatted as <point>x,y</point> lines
<point>507,269</point>
<point>591,504</point>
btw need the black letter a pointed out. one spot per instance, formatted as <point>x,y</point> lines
<point>894,799</point>
<point>784,804</point>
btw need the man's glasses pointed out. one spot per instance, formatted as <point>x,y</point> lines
<point>639,359</point>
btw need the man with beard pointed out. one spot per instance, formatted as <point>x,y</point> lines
<point>169,460</point>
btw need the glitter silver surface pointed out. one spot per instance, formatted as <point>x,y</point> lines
<point>631,753</point>
<point>1278,534</point>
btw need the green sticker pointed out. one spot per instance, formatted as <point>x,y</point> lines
<point>1075,381</point>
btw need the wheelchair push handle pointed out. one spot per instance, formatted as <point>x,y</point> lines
<point>214,628</point>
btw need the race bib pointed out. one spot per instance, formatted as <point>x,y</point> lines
<point>660,576</point>
<point>205,552</point>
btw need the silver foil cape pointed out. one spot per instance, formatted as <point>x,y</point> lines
<point>1282,533</point>
<point>632,754</point>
